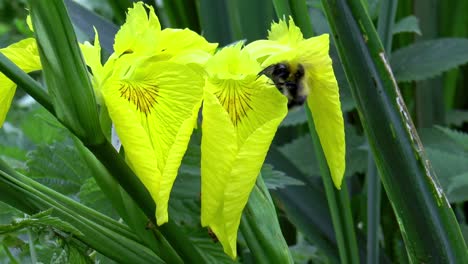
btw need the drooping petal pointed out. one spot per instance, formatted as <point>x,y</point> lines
<point>25,55</point>
<point>154,108</point>
<point>139,33</point>
<point>325,106</point>
<point>287,45</point>
<point>241,113</point>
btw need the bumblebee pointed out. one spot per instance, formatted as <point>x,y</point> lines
<point>289,80</point>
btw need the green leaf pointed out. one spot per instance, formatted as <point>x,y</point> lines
<point>411,188</point>
<point>407,24</point>
<point>58,166</point>
<point>457,117</point>
<point>457,136</point>
<point>296,116</point>
<point>7,213</point>
<point>275,179</point>
<point>300,153</point>
<point>43,128</point>
<point>39,220</point>
<point>426,59</point>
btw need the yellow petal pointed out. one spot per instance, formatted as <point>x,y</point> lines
<point>140,31</point>
<point>173,42</point>
<point>153,110</point>
<point>325,106</point>
<point>260,49</point>
<point>241,114</point>
<point>25,55</point>
<point>92,54</point>
<point>280,32</point>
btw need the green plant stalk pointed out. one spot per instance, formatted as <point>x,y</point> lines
<point>453,14</point>
<point>234,19</point>
<point>10,256</point>
<point>117,167</point>
<point>213,23</point>
<point>282,8</point>
<point>32,249</point>
<point>338,202</point>
<point>385,24</point>
<point>182,14</point>
<point>127,208</point>
<point>374,196</point>
<point>65,71</point>
<point>429,227</point>
<point>430,109</point>
<point>374,187</point>
<point>260,228</point>
<point>119,8</point>
<point>256,18</point>
<point>120,246</point>
<point>25,81</point>
<point>301,17</point>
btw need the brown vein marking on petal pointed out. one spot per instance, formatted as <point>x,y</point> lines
<point>142,95</point>
<point>235,98</point>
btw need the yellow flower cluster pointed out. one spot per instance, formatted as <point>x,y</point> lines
<point>153,86</point>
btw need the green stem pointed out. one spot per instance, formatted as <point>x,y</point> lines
<point>32,249</point>
<point>282,8</point>
<point>374,187</point>
<point>260,228</point>
<point>300,13</point>
<point>25,81</point>
<point>10,256</point>
<point>338,202</point>
<point>105,235</point>
<point>406,173</point>
<point>373,211</point>
<point>430,109</point>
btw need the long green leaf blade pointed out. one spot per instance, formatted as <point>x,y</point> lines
<point>430,230</point>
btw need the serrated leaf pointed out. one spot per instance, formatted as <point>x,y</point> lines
<point>426,59</point>
<point>457,117</point>
<point>58,166</point>
<point>407,24</point>
<point>277,179</point>
<point>41,127</point>
<point>458,136</point>
<point>301,153</point>
<point>212,251</point>
<point>451,169</point>
<point>7,213</point>
<point>39,220</point>
<point>295,117</point>
<point>457,189</point>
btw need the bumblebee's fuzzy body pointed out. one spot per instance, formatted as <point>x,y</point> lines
<point>290,81</point>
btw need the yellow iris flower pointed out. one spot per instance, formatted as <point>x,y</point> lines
<point>152,98</point>
<point>26,56</point>
<point>241,113</point>
<point>287,44</point>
